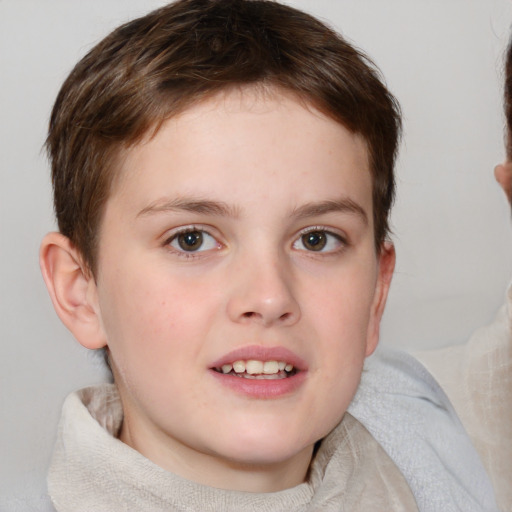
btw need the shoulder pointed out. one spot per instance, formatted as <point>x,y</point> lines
<point>396,373</point>
<point>410,416</point>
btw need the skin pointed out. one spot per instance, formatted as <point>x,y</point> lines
<point>254,172</point>
<point>503,174</point>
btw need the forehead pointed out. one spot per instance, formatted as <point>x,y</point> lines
<point>246,139</point>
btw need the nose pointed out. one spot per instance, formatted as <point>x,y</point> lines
<point>262,292</point>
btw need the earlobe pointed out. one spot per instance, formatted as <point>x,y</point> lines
<point>72,290</point>
<point>387,259</point>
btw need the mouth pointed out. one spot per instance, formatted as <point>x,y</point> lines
<point>258,369</point>
<point>260,372</point>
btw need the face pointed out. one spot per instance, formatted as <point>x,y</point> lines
<point>239,289</point>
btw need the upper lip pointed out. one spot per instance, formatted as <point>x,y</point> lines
<point>261,353</point>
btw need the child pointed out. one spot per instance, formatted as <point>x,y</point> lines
<point>223,176</point>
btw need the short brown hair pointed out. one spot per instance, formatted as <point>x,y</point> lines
<point>155,66</point>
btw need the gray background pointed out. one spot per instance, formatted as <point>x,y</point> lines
<point>443,60</point>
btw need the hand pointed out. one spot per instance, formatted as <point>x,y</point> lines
<point>503,174</point>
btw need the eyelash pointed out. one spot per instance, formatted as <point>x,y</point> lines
<point>342,240</point>
<point>343,243</point>
<point>183,231</point>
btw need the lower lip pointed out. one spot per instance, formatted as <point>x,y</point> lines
<point>261,388</point>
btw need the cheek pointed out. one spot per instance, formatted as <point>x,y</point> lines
<point>343,303</point>
<point>150,317</point>
<point>342,310</point>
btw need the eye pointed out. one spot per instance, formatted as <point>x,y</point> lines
<point>319,240</point>
<point>193,240</point>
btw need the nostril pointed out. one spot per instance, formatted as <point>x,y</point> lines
<point>253,315</point>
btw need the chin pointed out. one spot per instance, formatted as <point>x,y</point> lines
<point>264,446</point>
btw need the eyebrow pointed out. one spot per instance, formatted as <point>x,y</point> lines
<point>342,205</point>
<point>222,209</point>
<point>193,205</point>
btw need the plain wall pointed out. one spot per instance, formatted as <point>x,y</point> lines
<point>441,58</point>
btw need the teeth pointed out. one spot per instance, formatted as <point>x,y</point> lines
<point>255,367</point>
<point>274,376</point>
<point>226,368</point>
<point>239,366</point>
<point>270,367</point>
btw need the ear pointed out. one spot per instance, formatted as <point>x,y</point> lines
<point>503,174</point>
<point>387,259</point>
<point>72,289</point>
